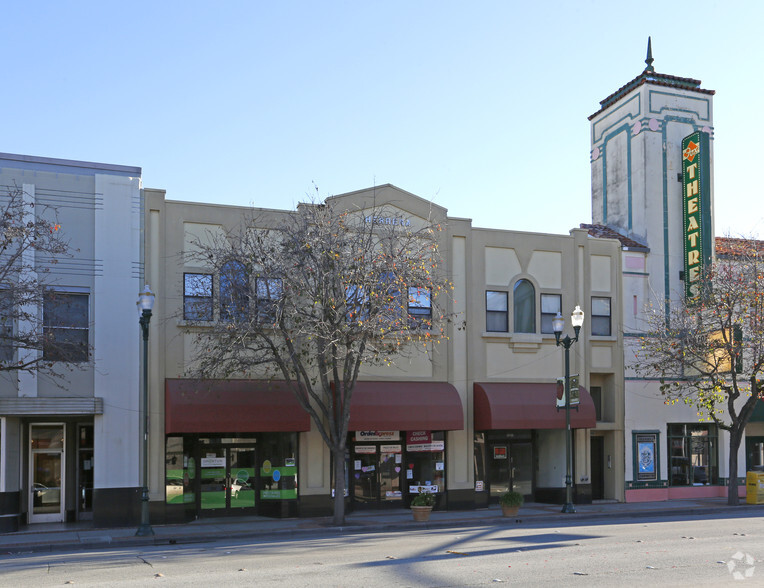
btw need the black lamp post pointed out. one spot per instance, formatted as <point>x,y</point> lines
<point>145,304</point>
<point>576,319</point>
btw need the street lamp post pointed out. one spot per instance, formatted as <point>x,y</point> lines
<point>576,319</point>
<point>145,304</point>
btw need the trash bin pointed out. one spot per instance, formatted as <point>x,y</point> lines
<point>754,488</point>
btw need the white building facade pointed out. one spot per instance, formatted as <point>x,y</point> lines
<point>69,445</point>
<point>637,192</point>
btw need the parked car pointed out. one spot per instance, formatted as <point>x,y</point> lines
<point>239,485</point>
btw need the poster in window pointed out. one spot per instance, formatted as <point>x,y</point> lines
<point>646,451</point>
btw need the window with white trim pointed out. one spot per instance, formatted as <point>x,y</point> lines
<point>551,304</point>
<point>496,311</point>
<point>601,316</point>
<point>197,297</point>
<point>268,292</point>
<point>420,306</point>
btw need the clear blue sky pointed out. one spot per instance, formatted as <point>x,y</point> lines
<point>479,106</point>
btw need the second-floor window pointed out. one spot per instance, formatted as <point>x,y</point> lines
<point>496,315</point>
<point>268,291</point>
<point>551,304</point>
<point>601,316</point>
<point>6,326</point>
<point>65,326</point>
<point>234,291</point>
<point>197,297</point>
<point>524,302</point>
<point>420,306</point>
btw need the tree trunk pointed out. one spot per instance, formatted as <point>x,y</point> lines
<point>338,454</point>
<point>736,435</point>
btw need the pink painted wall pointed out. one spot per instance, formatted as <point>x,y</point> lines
<point>679,493</point>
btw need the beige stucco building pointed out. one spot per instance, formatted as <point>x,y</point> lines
<point>467,420</point>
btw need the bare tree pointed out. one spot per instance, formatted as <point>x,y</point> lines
<point>312,297</point>
<point>31,242</point>
<point>710,354</point>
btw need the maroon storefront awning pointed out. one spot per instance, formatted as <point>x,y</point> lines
<point>527,406</point>
<point>232,406</point>
<point>405,406</point>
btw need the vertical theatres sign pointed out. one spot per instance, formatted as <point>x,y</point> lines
<point>696,215</point>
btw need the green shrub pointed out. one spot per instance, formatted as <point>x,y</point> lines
<point>511,498</point>
<point>423,499</point>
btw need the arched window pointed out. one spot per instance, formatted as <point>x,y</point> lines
<point>525,307</point>
<point>234,291</point>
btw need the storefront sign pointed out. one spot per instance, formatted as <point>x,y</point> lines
<point>279,494</point>
<point>696,213</point>
<point>434,446</point>
<point>377,435</point>
<point>500,452</point>
<point>432,488</point>
<point>388,220</point>
<point>418,437</point>
<point>213,462</point>
<point>390,449</point>
<point>479,486</point>
<point>365,449</point>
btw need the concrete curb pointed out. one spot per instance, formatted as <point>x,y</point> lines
<point>100,539</point>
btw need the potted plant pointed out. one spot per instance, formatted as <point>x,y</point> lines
<point>511,502</point>
<point>421,506</point>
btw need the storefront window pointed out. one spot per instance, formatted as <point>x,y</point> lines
<point>174,471</point>
<point>425,457</point>
<point>278,466</point>
<point>693,457</point>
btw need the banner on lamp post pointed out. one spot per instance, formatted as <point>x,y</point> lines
<point>574,396</point>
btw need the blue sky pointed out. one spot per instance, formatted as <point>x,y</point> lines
<point>480,107</point>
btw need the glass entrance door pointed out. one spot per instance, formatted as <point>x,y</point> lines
<point>227,479</point>
<point>46,471</point>
<point>377,474</point>
<point>510,467</point>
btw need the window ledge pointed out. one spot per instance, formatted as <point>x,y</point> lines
<point>184,324</point>
<point>525,342</point>
<point>496,335</point>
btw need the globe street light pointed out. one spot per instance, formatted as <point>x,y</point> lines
<point>558,323</point>
<point>145,303</point>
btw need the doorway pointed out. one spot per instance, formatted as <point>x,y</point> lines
<point>377,473</point>
<point>598,467</point>
<point>754,454</point>
<point>46,473</point>
<point>227,479</point>
<point>510,467</point>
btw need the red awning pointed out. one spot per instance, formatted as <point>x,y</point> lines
<point>232,406</point>
<point>527,406</point>
<point>405,406</point>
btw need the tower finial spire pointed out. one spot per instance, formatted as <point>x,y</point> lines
<point>649,60</point>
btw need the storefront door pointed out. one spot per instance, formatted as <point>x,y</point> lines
<point>227,479</point>
<point>510,467</point>
<point>46,473</point>
<point>377,473</point>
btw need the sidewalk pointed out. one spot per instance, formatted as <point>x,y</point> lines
<point>61,536</point>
